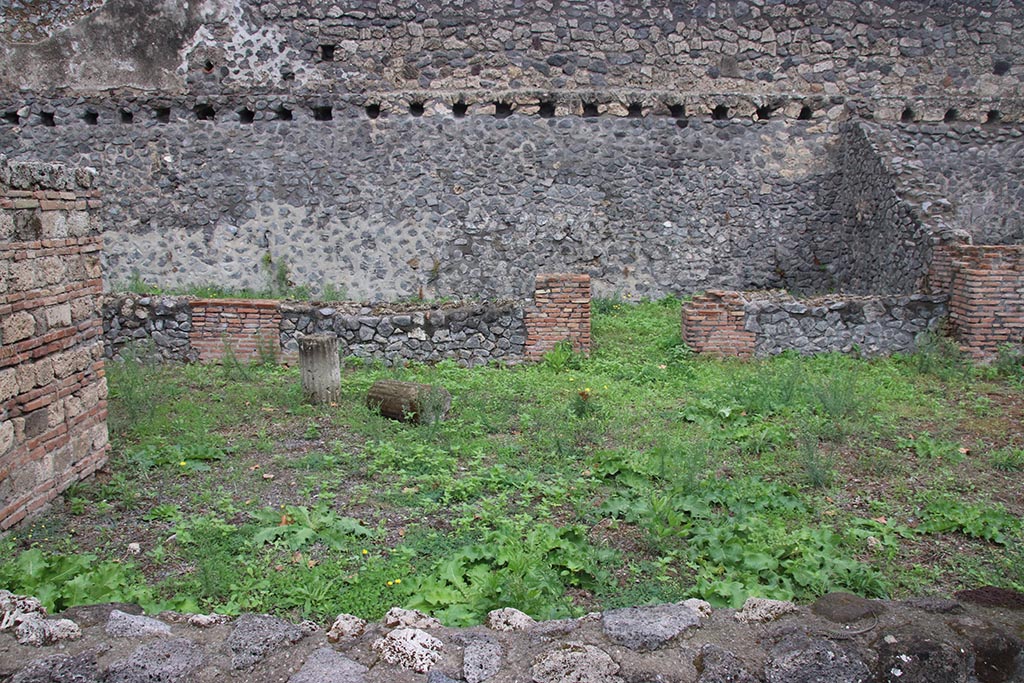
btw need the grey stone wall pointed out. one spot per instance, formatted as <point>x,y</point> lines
<point>870,325</point>
<point>470,334</point>
<point>157,325</point>
<point>865,238</point>
<point>25,21</point>
<point>467,207</point>
<point>895,190</point>
<point>455,149</point>
<point>959,178</point>
<point>872,50</point>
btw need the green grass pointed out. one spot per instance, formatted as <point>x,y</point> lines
<point>642,473</point>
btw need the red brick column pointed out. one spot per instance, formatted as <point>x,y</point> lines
<point>713,323</point>
<point>560,311</point>
<point>53,390</point>
<point>987,298</point>
<point>250,328</point>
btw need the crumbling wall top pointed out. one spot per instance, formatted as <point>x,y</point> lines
<point>23,175</point>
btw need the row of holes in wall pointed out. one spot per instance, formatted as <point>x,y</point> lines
<point>546,109</point>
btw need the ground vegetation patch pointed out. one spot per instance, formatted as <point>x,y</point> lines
<point>641,474</point>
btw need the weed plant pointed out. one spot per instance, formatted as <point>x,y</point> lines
<point>640,473</point>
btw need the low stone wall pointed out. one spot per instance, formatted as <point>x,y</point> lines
<point>187,329</point>
<point>53,408</point>
<point>469,334</point>
<point>839,638</point>
<point>745,324</point>
<point>163,324</point>
<point>869,325</point>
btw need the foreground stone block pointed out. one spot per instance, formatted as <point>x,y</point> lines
<point>648,628</point>
<point>409,648</point>
<point>256,635</point>
<point>575,663</point>
<point>327,666</point>
<point>801,659</point>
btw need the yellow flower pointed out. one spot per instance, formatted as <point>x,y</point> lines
<point>182,463</point>
<point>398,581</point>
<point>391,583</point>
<point>365,551</point>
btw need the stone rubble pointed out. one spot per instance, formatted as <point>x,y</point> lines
<point>841,638</point>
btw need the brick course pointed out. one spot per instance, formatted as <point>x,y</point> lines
<point>560,312</point>
<point>248,329</point>
<point>53,389</point>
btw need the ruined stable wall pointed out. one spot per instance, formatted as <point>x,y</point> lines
<point>53,410</point>
<point>746,324</point>
<point>395,148</point>
<point>475,333</point>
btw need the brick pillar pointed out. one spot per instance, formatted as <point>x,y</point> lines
<point>53,390</point>
<point>250,328</point>
<point>987,298</point>
<point>713,323</point>
<point>560,311</point>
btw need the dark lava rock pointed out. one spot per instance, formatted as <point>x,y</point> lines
<point>802,659</point>
<point>845,608</point>
<point>935,605</point>
<point>438,677</point>
<point>257,634</point>
<point>992,596</point>
<point>998,656</point>
<point>164,661</point>
<point>718,665</point>
<point>325,665</point>
<point>59,669</point>
<point>90,615</point>
<point>916,658</point>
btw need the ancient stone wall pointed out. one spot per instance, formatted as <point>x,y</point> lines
<point>840,637</point>
<point>52,389</point>
<point>402,206</point>
<point>866,239</point>
<point>866,325</point>
<point>746,324</point>
<point>399,149</point>
<point>957,178</point>
<point>188,329</point>
<point>913,52</point>
<point>159,324</point>
<point>470,334</point>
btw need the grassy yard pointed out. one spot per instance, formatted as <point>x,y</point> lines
<point>639,474</point>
